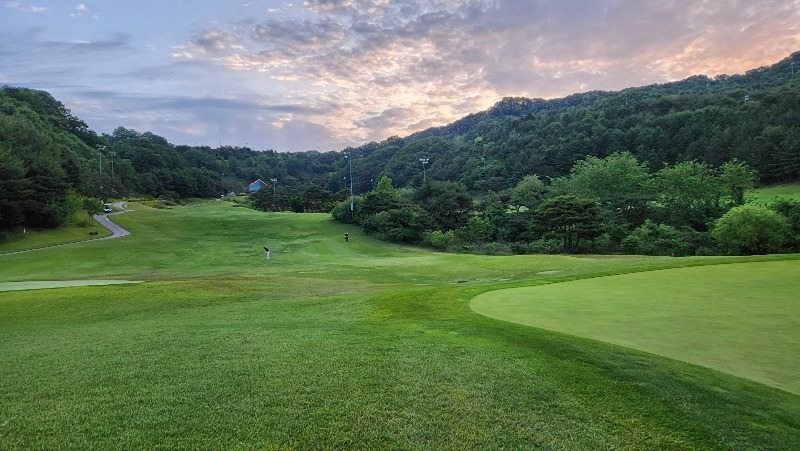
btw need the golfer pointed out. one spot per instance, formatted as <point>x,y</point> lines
<point>266,252</point>
<point>346,237</point>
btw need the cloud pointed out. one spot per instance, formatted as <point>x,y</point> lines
<point>18,6</point>
<point>392,67</point>
<point>343,72</point>
<point>80,10</point>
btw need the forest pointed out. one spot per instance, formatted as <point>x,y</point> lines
<point>658,169</point>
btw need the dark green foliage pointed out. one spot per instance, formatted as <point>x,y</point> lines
<point>570,219</point>
<point>478,230</point>
<point>41,159</point>
<point>448,203</point>
<point>658,239</point>
<point>401,225</point>
<point>791,211</point>
<point>690,193</point>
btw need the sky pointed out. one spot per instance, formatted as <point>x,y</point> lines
<point>327,74</point>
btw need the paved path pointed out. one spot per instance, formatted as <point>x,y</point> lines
<point>103,220</point>
<point>113,227</point>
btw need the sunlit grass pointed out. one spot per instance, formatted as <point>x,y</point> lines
<point>772,194</point>
<point>334,345</point>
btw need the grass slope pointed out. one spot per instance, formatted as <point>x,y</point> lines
<point>772,194</point>
<point>740,318</point>
<point>332,345</point>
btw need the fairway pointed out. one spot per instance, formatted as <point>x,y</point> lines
<point>741,318</point>
<point>368,345</point>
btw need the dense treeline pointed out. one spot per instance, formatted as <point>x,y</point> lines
<point>751,117</point>
<point>49,159</point>
<point>603,205</point>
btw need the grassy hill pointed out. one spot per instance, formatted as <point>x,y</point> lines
<point>336,345</point>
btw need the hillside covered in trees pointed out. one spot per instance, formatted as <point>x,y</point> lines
<point>668,159</point>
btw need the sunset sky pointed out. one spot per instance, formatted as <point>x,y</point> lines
<point>326,74</point>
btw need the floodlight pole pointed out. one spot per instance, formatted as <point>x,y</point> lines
<point>424,161</point>
<point>273,180</point>
<point>113,154</point>
<point>350,163</point>
<point>100,149</point>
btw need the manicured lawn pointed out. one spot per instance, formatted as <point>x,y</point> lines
<point>741,318</point>
<point>334,345</point>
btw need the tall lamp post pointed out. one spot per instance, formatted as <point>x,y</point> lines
<point>273,180</point>
<point>424,162</point>
<point>111,190</point>
<point>100,149</point>
<point>350,162</point>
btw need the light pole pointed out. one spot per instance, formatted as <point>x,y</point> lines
<point>350,162</point>
<point>424,161</point>
<point>113,154</point>
<point>273,180</point>
<point>100,149</point>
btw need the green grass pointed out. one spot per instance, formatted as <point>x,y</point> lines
<point>771,194</point>
<point>742,318</point>
<point>330,345</point>
<point>34,239</point>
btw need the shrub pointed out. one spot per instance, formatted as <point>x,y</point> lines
<point>752,229</point>
<point>657,239</point>
<point>441,240</point>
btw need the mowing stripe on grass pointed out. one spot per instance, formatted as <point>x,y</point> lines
<point>42,284</point>
<point>743,319</point>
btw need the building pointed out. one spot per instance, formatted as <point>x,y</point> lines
<point>255,186</point>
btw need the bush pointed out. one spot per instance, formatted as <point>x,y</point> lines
<point>403,225</point>
<point>752,229</point>
<point>540,246</point>
<point>657,239</point>
<point>477,230</point>
<point>441,240</point>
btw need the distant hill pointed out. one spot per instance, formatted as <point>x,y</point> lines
<point>46,153</point>
<point>752,117</point>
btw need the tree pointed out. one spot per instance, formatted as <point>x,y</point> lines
<point>93,206</point>
<point>384,184</point>
<point>622,184</point>
<point>690,194</point>
<point>528,192</point>
<point>477,230</point>
<point>752,229</point>
<point>402,225</point>
<point>447,203</point>
<point>616,179</point>
<point>736,178</point>
<point>14,190</point>
<point>569,218</point>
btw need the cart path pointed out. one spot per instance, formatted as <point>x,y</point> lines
<point>113,227</point>
<point>116,230</point>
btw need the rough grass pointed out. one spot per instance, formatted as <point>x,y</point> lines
<point>772,194</point>
<point>332,345</point>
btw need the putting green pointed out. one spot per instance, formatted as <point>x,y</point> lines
<point>42,284</point>
<point>743,319</point>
